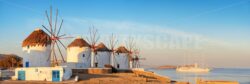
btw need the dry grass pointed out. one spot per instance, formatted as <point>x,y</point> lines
<point>115,78</point>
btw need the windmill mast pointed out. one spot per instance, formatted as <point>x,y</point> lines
<point>93,39</point>
<point>112,43</point>
<point>56,37</point>
<point>136,59</point>
<point>130,45</point>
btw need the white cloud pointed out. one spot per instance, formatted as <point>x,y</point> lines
<point>147,35</point>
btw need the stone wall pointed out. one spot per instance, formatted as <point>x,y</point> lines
<point>92,71</point>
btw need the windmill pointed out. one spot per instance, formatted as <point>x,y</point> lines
<point>136,58</point>
<point>133,53</point>
<point>112,43</point>
<point>93,39</point>
<point>55,37</point>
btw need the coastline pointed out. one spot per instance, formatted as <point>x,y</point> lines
<point>217,74</point>
<point>132,76</point>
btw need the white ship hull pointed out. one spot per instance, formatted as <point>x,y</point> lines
<point>192,69</point>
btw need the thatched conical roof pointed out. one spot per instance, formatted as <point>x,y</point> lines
<point>122,49</point>
<point>37,37</point>
<point>79,42</point>
<point>102,47</point>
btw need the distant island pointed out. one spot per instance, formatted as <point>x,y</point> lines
<point>167,67</point>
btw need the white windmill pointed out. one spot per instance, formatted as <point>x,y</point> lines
<point>112,44</point>
<point>36,47</point>
<point>136,58</point>
<point>55,36</point>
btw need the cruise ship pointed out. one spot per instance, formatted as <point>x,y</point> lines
<point>194,69</point>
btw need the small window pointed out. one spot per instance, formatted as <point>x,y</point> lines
<point>27,64</point>
<point>118,66</point>
<point>83,55</point>
<point>96,64</point>
<point>28,46</point>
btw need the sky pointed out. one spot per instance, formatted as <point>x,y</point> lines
<point>215,33</point>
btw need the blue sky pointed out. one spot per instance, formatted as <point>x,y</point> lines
<point>223,21</point>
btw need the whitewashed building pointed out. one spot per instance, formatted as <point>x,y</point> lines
<point>54,74</point>
<point>78,54</point>
<point>103,55</point>
<point>36,60</point>
<point>37,49</point>
<point>122,58</point>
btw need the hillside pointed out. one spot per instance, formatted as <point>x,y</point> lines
<point>10,60</point>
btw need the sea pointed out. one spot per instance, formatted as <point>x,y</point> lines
<point>227,74</point>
